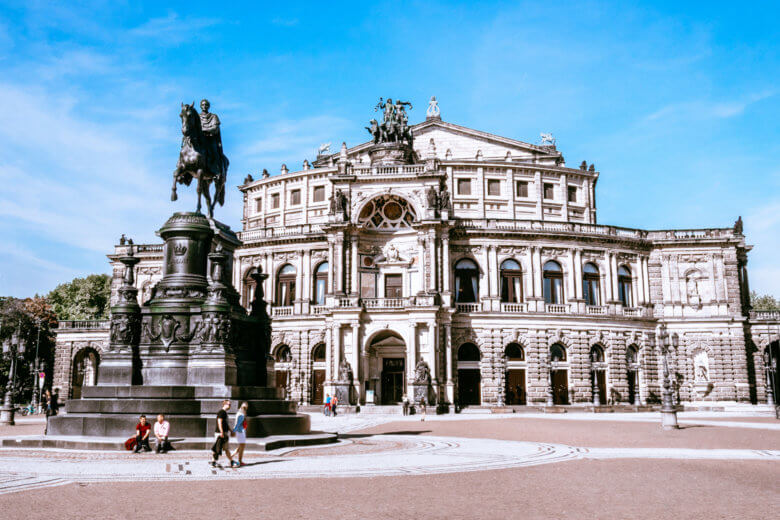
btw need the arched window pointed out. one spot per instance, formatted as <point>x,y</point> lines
<point>557,353</point>
<point>320,283</point>
<point>318,354</point>
<point>511,282</point>
<point>624,286</point>
<point>285,286</point>
<point>514,352</point>
<point>468,352</point>
<point>632,355</point>
<point>553,282</point>
<point>249,287</point>
<point>283,354</point>
<point>590,284</point>
<point>596,354</point>
<point>466,281</point>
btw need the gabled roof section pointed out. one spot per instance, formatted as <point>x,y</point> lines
<point>443,133</point>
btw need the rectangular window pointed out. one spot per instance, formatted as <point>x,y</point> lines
<point>464,186</point>
<point>295,197</point>
<point>494,187</point>
<point>368,285</point>
<point>393,286</point>
<point>522,188</point>
<point>548,191</point>
<point>275,201</point>
<point>258,205</point>
<point>572,194</point>
<point>318,195</point>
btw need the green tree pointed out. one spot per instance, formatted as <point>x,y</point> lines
<point>83,298</point>
<point>763,302</point>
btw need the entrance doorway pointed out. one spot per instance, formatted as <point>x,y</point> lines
<point>515,386</point>
<point>317,385</point>
<point>469,377</point>
<point>560,386</point>
<point>392,380</point>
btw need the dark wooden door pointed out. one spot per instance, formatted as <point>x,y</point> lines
<point>281,379</point>
<point>601,384</point>
<point>392,380</point>
<point>515,386</point>
<point>317,386</point>
<point>560,385</point>
<point>468,387</point>
<point>631,386</point>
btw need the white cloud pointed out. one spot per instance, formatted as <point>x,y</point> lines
<point>706,109</point>
<point>172,29</point>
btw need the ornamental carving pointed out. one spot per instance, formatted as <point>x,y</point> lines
<point>553,251</point>
<point>512,250</point>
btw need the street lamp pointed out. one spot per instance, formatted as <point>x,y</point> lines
<point>15,347</point>
<point>668,410</point>
<point>36,368</point>
<point>769,366</point>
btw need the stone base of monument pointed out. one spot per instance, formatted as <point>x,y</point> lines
<point>391,154</point>
<point>113,411</point>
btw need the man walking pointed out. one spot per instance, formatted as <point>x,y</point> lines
<point>222,434</point>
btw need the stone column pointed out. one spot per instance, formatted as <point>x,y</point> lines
<point>609,275</point>
<point>484,286</point>
<point>354,287</point>
<point>448,367</point>
<point>571,289</point>
<point>331,261</point>
<point>411,358</point>
<point>421,255</point>
<point>432,359</point>
<point>283,204</point>
<point>565,196</point>
<point>432,254</point>
<point>338,265</point>
<point>536,265</point>
<point>299,284</point>
<point>539,195</point>
<point>355,362</point>
<point>445,268</point>
<point>329,353</point>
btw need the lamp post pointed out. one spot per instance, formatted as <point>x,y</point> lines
<point>668,410</point>
<point>769,367</point>
<point>36,390</point>
<point>15,347</point>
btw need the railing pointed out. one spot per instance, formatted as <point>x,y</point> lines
<point>593,229</point>
<point>556,308</point>
<point>384,303</point>
<point>632,312</point>
<point>347,302</point>
<point>765,315</point>
<point>319,309</point>
<point>598,310</point>
<point>282,311</point>
<point>514,307</point>
<point>467,307</point>
<point>280,231</point>
<point>388,170</point>
<point>84,324</point>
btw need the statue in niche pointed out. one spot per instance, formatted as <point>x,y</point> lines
<point>701,366</point>
<point>345,371</point>
<point>432,198</point>
<point>444,199</point>
<point>391,253</point>
<point>422,373</point>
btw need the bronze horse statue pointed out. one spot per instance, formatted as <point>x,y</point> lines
<point>200,158</point>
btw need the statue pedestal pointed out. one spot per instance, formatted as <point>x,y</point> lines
<point>389,154</point>
<point>341,389</point>
<point>420,393</point>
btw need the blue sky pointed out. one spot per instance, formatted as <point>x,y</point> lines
<point>677,104</point>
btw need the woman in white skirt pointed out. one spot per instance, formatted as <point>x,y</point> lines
<point>239,428</point>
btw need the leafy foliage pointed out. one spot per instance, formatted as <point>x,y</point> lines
<point>763,302</point>
<point>83,298</point>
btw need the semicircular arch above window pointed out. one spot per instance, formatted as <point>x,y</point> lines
<point>387,213</point>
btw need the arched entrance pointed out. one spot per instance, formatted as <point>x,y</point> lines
<point>387,367</point>
<point>282,359</point>
<point>632,360</point>
<point>85,371</point>
<point>469,377</point>
<point>515,374</point>
<point>318,374</point>
<point>559,374</point>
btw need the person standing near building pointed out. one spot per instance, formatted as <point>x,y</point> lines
<point>142,430</point>
<point>327,405</point>
<point>222,434</point>
<point>161,430</point>
<point>239,428</point>
<point>405,404</point>
<point>334,401</point>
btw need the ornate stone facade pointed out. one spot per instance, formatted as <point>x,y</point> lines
<point>481,256</point>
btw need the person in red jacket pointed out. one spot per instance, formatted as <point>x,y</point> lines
<point>142,430</point>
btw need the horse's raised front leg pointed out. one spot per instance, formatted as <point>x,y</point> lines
<point>209,204</point>
<point>173,188</point>
<point>199,190</point>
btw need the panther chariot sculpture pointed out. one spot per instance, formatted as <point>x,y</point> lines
<point>201,156</point>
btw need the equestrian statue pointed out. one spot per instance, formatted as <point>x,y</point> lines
<point>201,155</point>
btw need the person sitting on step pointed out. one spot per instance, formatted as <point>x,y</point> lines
<point>142,430</point>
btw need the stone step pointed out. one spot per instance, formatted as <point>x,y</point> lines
<point>272,442</point>
<point>243,393</point>
<point>172,407</point>
<point>123,425</point>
